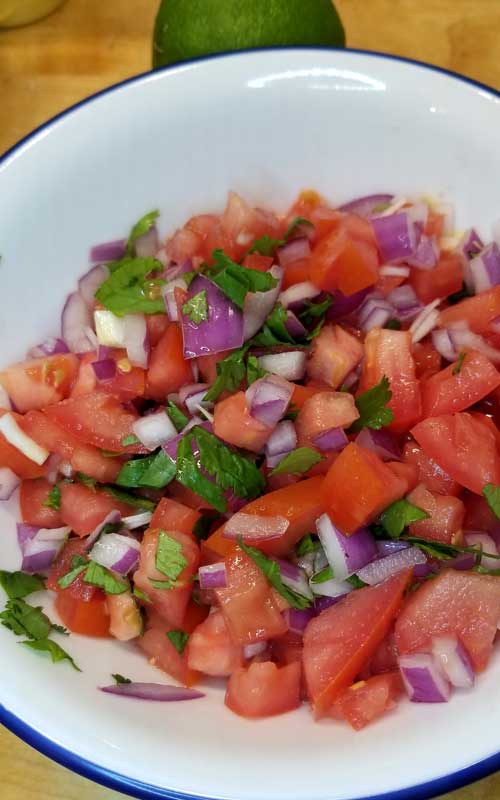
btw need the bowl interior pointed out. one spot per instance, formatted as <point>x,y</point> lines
<point>265,124</point>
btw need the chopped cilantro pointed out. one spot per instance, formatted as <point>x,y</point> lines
<point>196,308</point>
<point>272,572</point>
<point>97,575</point>
<point>393,325</point>
<point>306,545</point>
<point>169,559</point>
<point>324,575</point>
<point>236,281</point>
<point>131,290</point>
<point>20,584</point>
<point>231,470</point>
<point>86,480</point>
<point>179,639</point>
<point>140,228</point>
<point>141,595</point>
<point>254,371</point>
<point>130,439</point>
<point>78,565</point>
<point>178,418</point>
<point>399,515</point>
<point>297,462</point>
<point>192,478</point>
<point>372,406</point>
<point>492,495</point>
<point>154,471</point>
<point>25,620</point>
<point>55,651</point>
<point>459,363</point>
<point>231,372</point>
<point>119,678</point>
<point>274,330</point>
<point>53,499</point>
<point>356,582</point>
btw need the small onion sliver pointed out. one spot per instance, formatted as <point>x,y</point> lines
<point>117,552</point>
<point>334,439</point>
<point>258,305</point>
<point>282,440</point>
<point>454,660</point>
<point>113,518</point>
<point>298,619</point>
<point>213,576</point>
<point>108,251</point>
<point>295,296</point>
<point>76,318</point>
<point>21,441</point>
<point>152,691</point>
<point>346,554</point>
<point>137,520</point>
<point>290,365</point>
<point>90,282</point>
<point>382,442</point>
<point>386,567</point>
<point>136,340</point>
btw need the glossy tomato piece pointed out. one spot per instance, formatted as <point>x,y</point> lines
<point>357,487</point>
<point>464,446</point>
<point>264,690</point>
<point>429,472</point>
<point>162,653</point>
<point>296,272</point>
<point>86,617</point>
<point>343,261</point>
<point>211,649</point>
<point>427,359</point>
<point>12,458</point>
<point>441,281</point>
<point>234,424</point>
<point>242,224</point>
<point>460,603</point>
<point>156,325</point>
<point>127,383</point>
<point>459,386</point>
<point>168,369</point>
<point>83,508</point>
<point>32,498</point>
<point>365,701</point>
<point>389,353</point>
<point>479,516</point>
<point>335,353</point>
<point>341,640</point>
<point>258,262</point>
<point>208,365</point>
<point>446,516</point>
<point>476,311</point>
<point>324,411</point>
<point>407,472</point>
<point>41,381</point>
<point>303,393</point>
<point>173,516</point>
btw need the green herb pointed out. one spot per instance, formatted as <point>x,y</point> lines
<point>179,640</point>
<point>295,223</point>
<point>196,308</point>
<point>169,559</point>
<point>459,364</point>
<point>316,331</point>
<point>297,462</point>
<point>78,565</point>
<point>154,471</point>
<point>399,515</point>
<point>141,595</point>
<point>230,470</point>
<point>272,572</point>
<point>372,407</point>
<point>274,330</point>
<point>111,527</point>
<point>203,525</point>
<point>231,371</point>
<point>86,480</point>
<point>25,620</point>
<point>356,582</point>
<point>192,478</point>
<point>485,571</point>
<point>315,311</point>
<point>110,453</point>
<point>254,371</point>
<point>118,679</point>
<point>53,499</point>
<point>306,545</point>
<point>97,575</point>
<point>189,277</point>
<point>176,415</point>
<point>140,228</point>
<point>55,651</point>
<point>236,281</point>
<point>266,245</point>
<point>462,294</point>
<point>130,439</point>
<point>326,574</point>
<point>393,325</point>
<point>128,290</point>
<point>492,495</point>
<point>292,413</point>
<point>60,629</point>
<point>161,584</point>
<point>446,551</point>
<point>19,584</point>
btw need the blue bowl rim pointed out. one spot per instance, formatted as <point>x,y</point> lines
<point>115,780</point>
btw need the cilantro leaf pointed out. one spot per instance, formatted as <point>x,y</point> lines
<point>20,584</point>
<point>53,499</point>
<point>314,311</point>
<point>154,471</point>
<point>140,228</point>
<point>230,470</point>
<point>236,281</point>
<point>128,290</point>
<point>231,372</point>
<point>297,462</point>
<point>393,325</point>
<point>292,413</point>
<point>254,371</point>
<point>356,582</point>
<point>78,565</point>
<point>192,478</point>
<point>25,620</point>
<point>169,559</point>
<point>372,407</point>
<point>141,595</point>
<point>176,415</point>
<point>97,575</point>
<point>492,495</point>
<point>196,308</point>
<point>459,363</point>
<point>86,480</point>
<point>274,330</point>
<point>446,551</point>
<point>266,245</point>
<point>272,572</point>
<point>119,678</point>
<point>324,575</point>
<point>294,224</point>
<point>399,515</point>
<point>130,439</point>
<point>60,629</point>
<point>55,651</point>
<point>179,640</point>
<point>306,545</point>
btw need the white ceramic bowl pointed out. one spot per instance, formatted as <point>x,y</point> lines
<point>265,123</point>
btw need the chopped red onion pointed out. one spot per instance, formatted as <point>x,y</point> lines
<point>405,301</point>
<point>471,244</point>
<point>393,271</point>
<point>294,326</point>
<point>465,339</point>
<point>424,679</point>
<point>50,347</point>
<point>137,520</point>
<point>443,343</point>
<point>343,305</point>
<point>386,547</point>
<point>105,370</point>
<point>345,554</point>
<point>282,440</point>
<point>366,206</point>
<point>258,305</point>
<point>154,430</point>
<point>464,561</point>
<point>295,578</point>
<point>170,448</point>
<point>298,619</point>
<point>8,483</point>
<point>168,294</point>
<point>252,526</point>
<point>90,282</point>
<point>40,549</point>
<point>487,544</point>
<point>254,649</point>
<point>109,251</point>
<point>374,313</point>
<point>146,246</point>
<point>223,330</point>
<point>396,236</point>
<point>268,398</point>
<point>386,567</point>
<point>76,318</point>
<point>383,443</point>
<point>425,321</point>
<point>322,603</point>
<point>113,518</point>
<point>213,576</point>
<point>426,255</point>
<point>152,691</point>
<point>21,441</point>
<point>331,589</point>
<point>484,269</point>
<point>193,395</point>
<point>290,365</point>
<point>136,340</point>
<point>454,661</point>
<point>116,552</point>
<point>176,270</point>
<point>352,378</point>
<point>52,467</point>
<point>295,296</point>
<point>334,439</point>
<point>294,250</point>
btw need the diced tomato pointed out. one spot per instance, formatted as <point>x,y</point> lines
<point>434,225</point>
<point>357,487</point>
<point>173,516</point>
<point>234,424</point>
<point>464,447</point>
<point>162,653</point>
<point>184,245</point>
<point>454,602</point>
<point>427,359</point>
<point>446,516</point>
<point>170,603</point>
<point>476,311</point>
<point>430,473</point>
<point>367,700</point>
<point>296,272</point>
<point>247,603</point>
<point>388,353</point>
<point>32,496</point>
<point>287,648</point>
<point>194,616</point>
<point>407,472</point>
<point>384,659</point>
<point>97,419</point>
<point>127,383</point>
<point>335,353</point>
<point>156,325</point>
<point>125,620</point>
<point>82,457</point>
<point>479,516</point>
<point>341,640</point>
<point>303,393</point>
<point>11,457</point>
<point>211,649</point>
<point>444,279</point>
<point>323,411</point>
<point>86,617</point>
<point>304,206</point>
<point>300,503</point>
<point>242,224</point>
<point>208,365</point>
<point>258,262</point>
<point>459,387</point>
<point>39,382</point>
<point>264,690</point>
<point>342,261</point>
<point>63,564</point>
<point>168,369</point>
<point>83,508</point>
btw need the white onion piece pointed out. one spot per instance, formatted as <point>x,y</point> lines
<point>345,554</point>
<point>252,526</point>
<point>195,402</point>
<point>282,440</point>
<point>462,338</point>
<point>154,430</point>
<point>424,679</point>
<point>331,588</point>
<point>290,365</point>
<point>110,329</point>
<point>18,439</point>
<point>258,305</point>
<point>76,319</point>
<point>4,399</point>
<point>8,483</point>
<point>213,576</point>
<point>113,518</point>
<point>454,660</point>
<point>136,339</point>
<point>298,293</point>
<point>392,271</point>
<point>255,649</point>
<point>443,343</point>
<point>117,552</point>
<point>386,567</point>
<point>425,321</point>
<point>487,544</point>
<point>137,520</point>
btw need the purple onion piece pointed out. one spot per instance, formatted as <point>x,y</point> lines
<point>454,661</point>
<point>152,691</point>
<point>471,244</point>
<point>426,255</point>
<point>298,619</point>
<point>283,439</point>
<point>294,326</point>
<point>383,443</point>
<point>90,282</point>
<point>105,370</point>
<point>295,578</point>
<point>76,318</point>
<point>423,679</point>
<point>296,296</point>
<point>258,305</point>
<point>223,330</point>
<point>396,236</point>
<point>334,439</point>
<point>108,251</point>
<point>484,269</point>
<point>268,398</point>
<point>366,206</point>
<point>50,347</point>
<point>343,305</point>
<point>213,576</point>
<point>387,546</point>
<point>294,250</point>
<point>322,603</point>
<point>386,567</point>
<point>346,554</point>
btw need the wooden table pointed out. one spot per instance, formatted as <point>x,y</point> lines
<point>89,44</point>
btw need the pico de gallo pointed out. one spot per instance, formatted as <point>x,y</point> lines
<point>266,450</point>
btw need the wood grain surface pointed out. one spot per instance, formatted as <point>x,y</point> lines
<point>89,44</point>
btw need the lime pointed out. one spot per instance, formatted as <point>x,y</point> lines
<point>187,29</point>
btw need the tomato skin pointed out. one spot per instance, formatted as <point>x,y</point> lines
<point>357,487</point>
<point>446,516</point>
<point>171,515</point>
<point>335,353</point>
<point>296,272</point>
<point>62,564</point>
<point>444,279</point>
<point>463,445</point>
<point>156,325</point>
<point>430,473</point>
<point>323,411</point>
<point>86,617</point>
<point>211,650</point>
<point>427,359</point>
<point>479,516</point>
<point>208,365</point>
<point>455,602</point>
<point>168,369</point>
<point>264,690</point>
<point>234,424</point>
<point>341,640</point>
<point>127,383</point>
<point>32,496</point>
<point>161,652</point>
<point>346,258</point>
<point>407,472</point>
<point>83,508</point>
<point>446,392</point>
<point>367,700</point>
<point>258,262</point>
<point>388,353</point>
<point>39,382</point>
<point>477,311</point>
<point>11,457</point>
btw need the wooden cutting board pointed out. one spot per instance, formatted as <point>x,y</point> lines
<point>89,44</point>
